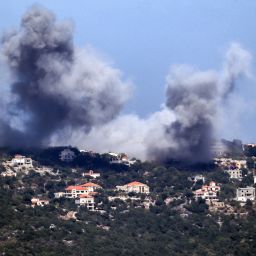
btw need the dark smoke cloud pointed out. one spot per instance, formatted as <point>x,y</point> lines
<point>55,86</point>
<point>196,98</point>
<point>191,95</point>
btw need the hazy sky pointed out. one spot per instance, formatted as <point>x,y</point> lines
<point>143,38</point>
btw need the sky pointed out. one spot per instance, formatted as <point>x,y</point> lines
<point>143,38</point>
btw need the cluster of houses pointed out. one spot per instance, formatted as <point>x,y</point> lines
<point>234,169</point>
<point>22,164</point>
<point>210,194</point>
<point>229,163</point>
<point>84,194</point>
<point>68,155</point>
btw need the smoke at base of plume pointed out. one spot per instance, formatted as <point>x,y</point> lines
<point>54,85</point>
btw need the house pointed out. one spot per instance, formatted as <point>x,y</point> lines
<point>39,202</point>
<point>75,191</point>
<point>19,162</point>
<point>85,189</point>
<point>43,170</point>
<point>59,194</point>
<point>244,194</point>
<point>208,192</point>
<point>235,174</point>
<point>229,163</point>
<point>197,178</point>
<point>134,186</point>
<point>120,159</point>
<point>67,155</point>
<point>92,174</point>
<point>86,200</point>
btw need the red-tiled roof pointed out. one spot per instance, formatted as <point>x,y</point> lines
<point>76,188</point>
<point>90,184</point>
<point>135,183</point>
<point>85,196</point>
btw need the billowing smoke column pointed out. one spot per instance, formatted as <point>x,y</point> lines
<point>195,98</point>
<point>191,95</point>
<point>185,128</point>
<point>55,87</point>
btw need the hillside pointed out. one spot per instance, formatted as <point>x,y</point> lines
<point>169,220</point>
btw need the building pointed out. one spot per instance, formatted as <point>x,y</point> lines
<point>20,161</point>
<point>86,200</point>
<point>75,191</point>
<point>197,178</point>
<point>67,155</point>
<point>244,194</point>
<point>208,192</point>
<point>59,194</point>
<point>235,174</point>
<point>134,186</point>
<point>39,202</point>
<point>85,189</point>
<point>120,159</point>
<point>229,163</point>
<point>92,174</point>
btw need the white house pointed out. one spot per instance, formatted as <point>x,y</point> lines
<point>21,161</point>
<point>92,174</point>
<point>121,159</point>
<point>67,155</point>
<point>39,202</point>
<point>208,192</point>
<point>134,186</point>
<point>59,194</point>
<point>87,200</point>
<point>235,174</point>
<point>230,163</point>
<point>197,178</point>
<point>244,194</point>
<point>85,189</point>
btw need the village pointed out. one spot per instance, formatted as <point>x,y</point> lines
<point>88,185</point>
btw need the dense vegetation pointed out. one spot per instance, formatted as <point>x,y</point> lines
<point>182,227</point>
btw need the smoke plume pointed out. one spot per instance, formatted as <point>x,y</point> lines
<point>60,94</point>
<point>185,128</point>
<point>54,86</point>
<point>195,98</point>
